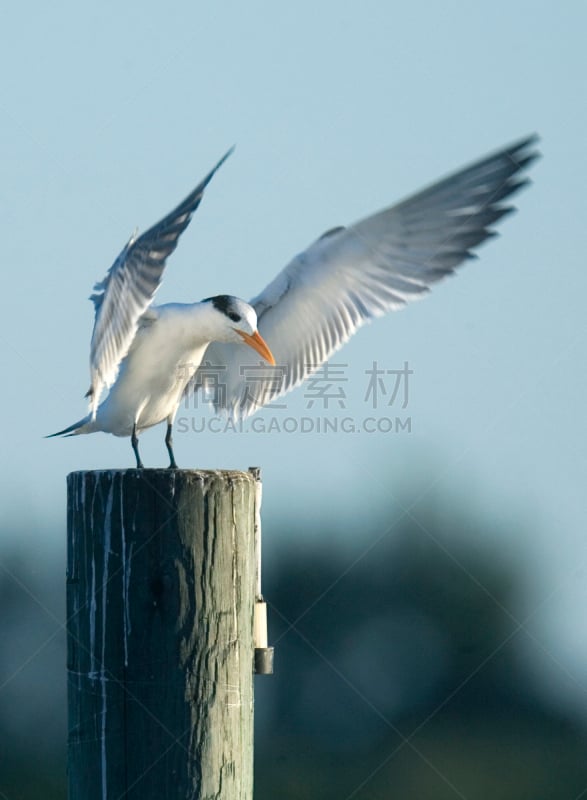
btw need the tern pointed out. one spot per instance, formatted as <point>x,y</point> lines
<point>149,357</point>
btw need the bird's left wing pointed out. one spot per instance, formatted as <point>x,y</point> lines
<point>128,289</point>
<point>351,275</point>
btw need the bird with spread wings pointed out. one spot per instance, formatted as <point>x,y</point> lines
<point>149,356</point>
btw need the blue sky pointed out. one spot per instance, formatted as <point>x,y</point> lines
<point>110,115</point>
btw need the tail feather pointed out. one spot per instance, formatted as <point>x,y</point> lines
<point>84,425</point>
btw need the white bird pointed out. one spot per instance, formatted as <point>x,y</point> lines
<point>150,356</point>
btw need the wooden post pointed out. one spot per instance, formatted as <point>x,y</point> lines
<point>160,594</point>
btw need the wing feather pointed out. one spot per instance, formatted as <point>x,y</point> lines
<point>351,275</point>
<point>129,287</point>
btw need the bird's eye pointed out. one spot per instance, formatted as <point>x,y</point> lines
<point>234,317</point>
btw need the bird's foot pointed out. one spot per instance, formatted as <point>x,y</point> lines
<point>135,446</point>
<point>169,446</point>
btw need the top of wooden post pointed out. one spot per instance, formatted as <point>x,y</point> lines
<point>252,472</point>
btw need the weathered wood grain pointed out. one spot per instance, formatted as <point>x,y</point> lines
<point>160,593</point>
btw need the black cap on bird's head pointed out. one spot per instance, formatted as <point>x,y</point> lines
<point>228,305</point>
<point>243,317</point>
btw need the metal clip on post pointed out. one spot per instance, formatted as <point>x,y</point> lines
<point>263,660</point>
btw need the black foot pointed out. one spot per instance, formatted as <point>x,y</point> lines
<point>135,446</point>
<point>169,445</point>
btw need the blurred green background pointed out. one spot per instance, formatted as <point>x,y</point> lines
<point>402,669</point>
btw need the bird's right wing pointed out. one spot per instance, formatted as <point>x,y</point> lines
<point>128,289</point>
<point>351,275</point>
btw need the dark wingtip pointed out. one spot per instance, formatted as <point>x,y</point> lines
<point>526,141</point>
<point>210,175</point>
<point>228,153</point>
<point>526,149</point>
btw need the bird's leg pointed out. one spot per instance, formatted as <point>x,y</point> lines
<point>135,446</point>
<point>169,445</point>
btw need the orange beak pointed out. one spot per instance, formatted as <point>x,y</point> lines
<point>259,344</point>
